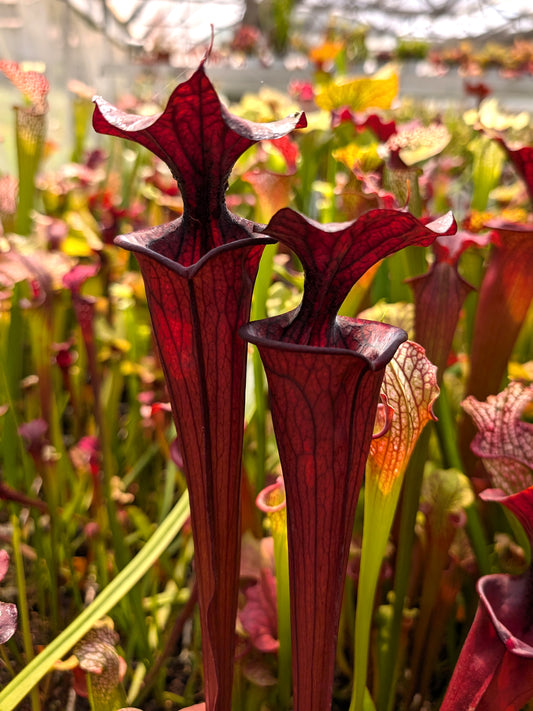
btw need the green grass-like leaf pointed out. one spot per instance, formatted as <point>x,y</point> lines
<point>25,681</point>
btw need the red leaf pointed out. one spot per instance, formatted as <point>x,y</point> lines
<point>504,298</point>
<point>78,275</point>
<point>448,248</point>
<point>495,668</point>
<point>335,256</point>
<point>199,140</point>
<point>489,675</point>
<point>478,89</point>
<point>259,615</point>
<point>519,503</point>
<point>504,441</point>
<point>522,159</point>
<point>8,611</point>
<point>289,150</point>
<point>439,296</point>
<point>383,129</point>
<point>8,621</point>
<point>4,563</point>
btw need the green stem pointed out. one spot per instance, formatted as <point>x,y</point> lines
<point>34,671</point>
<point>476,535</point>
<point>281,558</point>
<point>106,406</point>
<point>378,517</point>
<point>447,431</point>
<point>259,311</point>
<point>11,441</point>
<point>447,435</point>
<point>128,178</point>
<point>486,170</point>
<point>436,562</point>
<point>30,136</point>
<point>5,661</point>
<point>410,497</point>
<point>366,591</point>
<point>260,421</point>
<point>23,607</point>
<point>398,269</point>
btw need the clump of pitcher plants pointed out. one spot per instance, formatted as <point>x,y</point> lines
<point>221,388</point>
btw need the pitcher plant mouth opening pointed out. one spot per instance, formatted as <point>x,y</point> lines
<point>373,342</point>
<point>163,243</point>
<point>199,140</point>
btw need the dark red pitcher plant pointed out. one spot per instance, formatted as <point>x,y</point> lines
<point>324,374</point>
<point>505,296</point>
<point>199,272</point>
<point>495,668</point>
